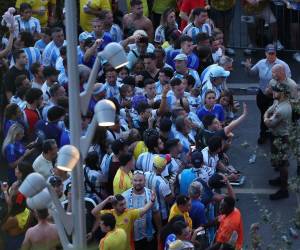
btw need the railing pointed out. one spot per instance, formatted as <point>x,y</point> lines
<point>245,28</point>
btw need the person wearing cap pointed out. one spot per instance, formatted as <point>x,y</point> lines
<point>278,119</point>
<point>57,184</point>
<point>50,74</point>
<point>188,175</point>
<point>84,39</point>
<point>99,93</point>
<point>89,9</point>
<point>181,69</point>
<point>182,207</point>
<point>51,51</point>
<point>109,26</point>
<point>160,185</point>
<point>263,69</point>
<point>186,47</point>
<point>217,77</point>
<point>181,245</point>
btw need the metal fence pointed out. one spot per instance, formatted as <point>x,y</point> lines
<point>249,29</point>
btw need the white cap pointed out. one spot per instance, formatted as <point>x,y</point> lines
<point>181,57</point>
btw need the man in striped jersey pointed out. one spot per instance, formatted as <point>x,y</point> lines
<point>51,52</point>
<point>115,31</point>
<point>199,17</point>
<point>25,22</point>
<point>186,44</point>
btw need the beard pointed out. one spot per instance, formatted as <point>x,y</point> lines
<point>138,188</point>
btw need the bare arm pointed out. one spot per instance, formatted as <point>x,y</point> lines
<point>157,220</point>
<point>8,48</point>
<point>91,11</point>
<point>26,245</point>
<point>163,107</point>
<point>229,128</point>
<point>148,206</point>
<point>101,205</point>
<point>149,29</point>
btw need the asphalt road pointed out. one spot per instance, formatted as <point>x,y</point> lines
<point>275,217</point>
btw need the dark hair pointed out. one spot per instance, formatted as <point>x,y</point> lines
<point>109,68</point>
<point>214,143</point>
<point>48,145</point>
<point>167,71</point>
<point>25,6</point>
<point>175,82</point>
<point>33,95</point>
<point>203,51</point>
<point>190,80</point>
<point>42,213</point>
<point>129,80</point>
<point>210,91</point>
<point>27,39</point>
<point>230,202</point>
<point>185,38</point>
<point>159,50</point>
<point>198,11</point>
<point>108,220</point>
<point>124,88</point>
<point>92,160</point>
<point>171,143</point>
<point>19,80</point>
<point>117,146</point>
<point>151,137</point>
<point>56,30</point>
<point>148,81</point>
<point>178,227</point>
<point>50,71</point>
<point>125,158</point>
<point>202,36</point>
<point>182,200</point>
<point>165,124</point>
<point>10,110</point>
<point>216,181</point>
<point>35,67</point>
<point>117,199</point>
<point>207,120</point>
<point>149,55</point>
<point>168,228</point>
<point>17,53</point>
<point>55,113</point>
<point>53,89</point>
<point>143,39</point>
<point>165,15</point>
<point>135,2</point>
<point>142,107</point>
<point>46,31</point>
<point>25,169</point>
<point>63,102</point>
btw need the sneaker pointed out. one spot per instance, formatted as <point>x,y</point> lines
<point>230,51</point>
<point>297,56</point>
<point>280,194</point>
<point>275,182</point>
<point>278,45</point>
<point>261,139</point>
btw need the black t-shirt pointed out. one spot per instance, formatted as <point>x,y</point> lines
<point>204,135</point>
<point>146,75</point>
<point>10,77</point>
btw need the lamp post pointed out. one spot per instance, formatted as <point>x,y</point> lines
<point>70,157</point>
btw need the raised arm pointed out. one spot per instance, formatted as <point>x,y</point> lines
<point>8,48</point>
<point>101,205</point>
<point>229,128</point>
<point>149,205</point>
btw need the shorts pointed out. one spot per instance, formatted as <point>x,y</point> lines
<point>279,151</point>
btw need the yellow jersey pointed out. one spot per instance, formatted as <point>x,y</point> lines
<point>122,181</point>
<point>116,239</point>
<point>86,19</point>
<point>38,5</point>
<point>125,221</point>
<point>175,211</point>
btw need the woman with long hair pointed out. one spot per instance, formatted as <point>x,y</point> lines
<point>167,26</point>
<point>12,114</point>
<point>13,149</point>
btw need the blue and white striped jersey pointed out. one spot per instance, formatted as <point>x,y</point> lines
<point>32,25</point>
<point>192,73</point>
<point>51,53</point>
<point>40,44</point>
<point>191,30</point>
<point>145,162</point>
<point>116,33</point>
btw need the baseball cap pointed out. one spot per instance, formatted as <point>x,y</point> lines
<point>98,88</point>
<point>218,71</point>
<point>181,57</point>
<point>197,158</point>
<point>181,245</point>
<point>84,36</point>
<point>160,161</point>
<point>270,48</point>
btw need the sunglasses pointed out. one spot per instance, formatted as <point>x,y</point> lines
<point>138,172</point>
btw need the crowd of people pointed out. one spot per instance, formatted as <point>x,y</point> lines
<point>160,177</point>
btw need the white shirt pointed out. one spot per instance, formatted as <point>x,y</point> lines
<point>42,166</point>
<point>210,162</point>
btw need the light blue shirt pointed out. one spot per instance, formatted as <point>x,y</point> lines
<point>51,53</point>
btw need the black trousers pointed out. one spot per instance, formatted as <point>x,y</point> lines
<point>263,102</point>
<point>144,244</point>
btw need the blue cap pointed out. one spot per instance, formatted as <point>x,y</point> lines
<point>218,71</point>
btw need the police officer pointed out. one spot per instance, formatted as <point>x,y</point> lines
<point>278,119</point>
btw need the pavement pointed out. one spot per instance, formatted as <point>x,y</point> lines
<point>275,217</point>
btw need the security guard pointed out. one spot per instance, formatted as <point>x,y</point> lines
<point>278,119</point>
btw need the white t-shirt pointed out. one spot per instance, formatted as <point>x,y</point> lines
<point>210,162</point>
<point>42,166</point>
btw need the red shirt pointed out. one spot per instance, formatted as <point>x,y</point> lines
<point>228,224</point>
<point>31,117</point>
<point>187,6</point>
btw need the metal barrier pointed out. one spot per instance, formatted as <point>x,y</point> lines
<point>258,29</point>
